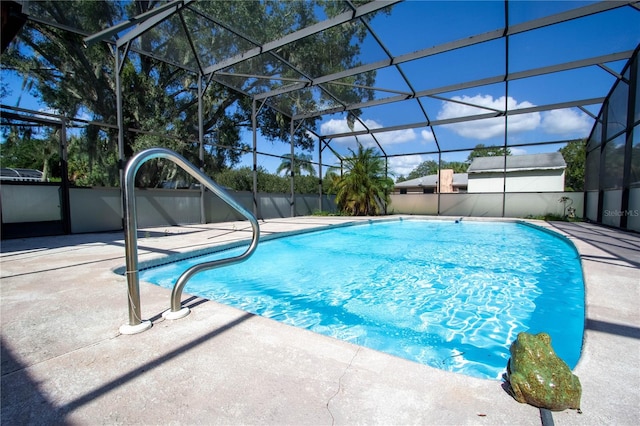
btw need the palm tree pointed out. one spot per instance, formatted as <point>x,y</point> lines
<point>364,189</point>
<point>300,162</point>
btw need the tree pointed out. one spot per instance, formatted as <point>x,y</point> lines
<point>456,166</point>
<point>94,164</point>
<point>241,179</point>
<point>492,151</point>
<point>330,181</point>
<point>29,148</point>
<point>574,154</point>
<point>425,168</point>
<point>300,162</point>
<point>162,98</point>
<point>364,188</point>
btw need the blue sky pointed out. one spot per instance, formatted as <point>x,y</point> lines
<point>556,44</point>
<point>416,25</point>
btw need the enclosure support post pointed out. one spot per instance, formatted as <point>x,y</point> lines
<point>506,110</point>
<point>64,196</point>
<point>203,215</point>
<point>255,157</point>
<point>320,175</point>
<point>438,181</point>
<point>386,176</point>
<point>292,203</point>
<point>120,128</point>
<point>628,149</point>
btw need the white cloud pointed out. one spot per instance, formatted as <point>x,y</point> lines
<point>566,121</point>
<point>405,164</point>
<point>487,128</point>
<point>396,136</point>
<point>427,136</point>
<point>562,121</point>
<point>334,126</point>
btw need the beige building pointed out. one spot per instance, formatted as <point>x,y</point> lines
<point>449,182</point>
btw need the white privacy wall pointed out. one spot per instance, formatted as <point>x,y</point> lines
<point>514,204</point>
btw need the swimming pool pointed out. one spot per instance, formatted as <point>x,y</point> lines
<point>449,295</point>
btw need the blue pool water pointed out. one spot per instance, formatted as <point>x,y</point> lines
<point>449,295</point>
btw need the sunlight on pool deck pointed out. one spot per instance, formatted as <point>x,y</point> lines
<point>64,361</point>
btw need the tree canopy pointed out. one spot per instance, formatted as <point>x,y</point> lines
<point>430,167</point>
<point>574,154</point>
<point>301,162</point>
<point>482,151</point>
<point>161,96</point>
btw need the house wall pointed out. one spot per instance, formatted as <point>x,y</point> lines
<point>525,181</point>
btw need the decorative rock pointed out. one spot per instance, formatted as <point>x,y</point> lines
<point>537,376</point>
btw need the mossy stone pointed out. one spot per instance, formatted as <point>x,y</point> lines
<point>537,376</point>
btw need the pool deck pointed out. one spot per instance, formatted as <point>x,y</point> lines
<point>64,360</point>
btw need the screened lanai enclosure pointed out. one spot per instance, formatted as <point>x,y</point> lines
<point>290,90</point>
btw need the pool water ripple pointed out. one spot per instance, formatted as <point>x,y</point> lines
<point>452,296</point>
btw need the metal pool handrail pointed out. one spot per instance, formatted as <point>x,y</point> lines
<point>136,324</point>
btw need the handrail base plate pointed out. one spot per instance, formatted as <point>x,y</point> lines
<point>135,329</point>
<point>171,315</point>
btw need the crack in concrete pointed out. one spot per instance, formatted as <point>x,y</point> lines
<point>333,420</point>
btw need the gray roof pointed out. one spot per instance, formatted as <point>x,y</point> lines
<point>459,179</point>
<point>546,161</point>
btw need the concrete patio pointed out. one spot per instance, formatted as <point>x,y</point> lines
<point>65,362</point>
